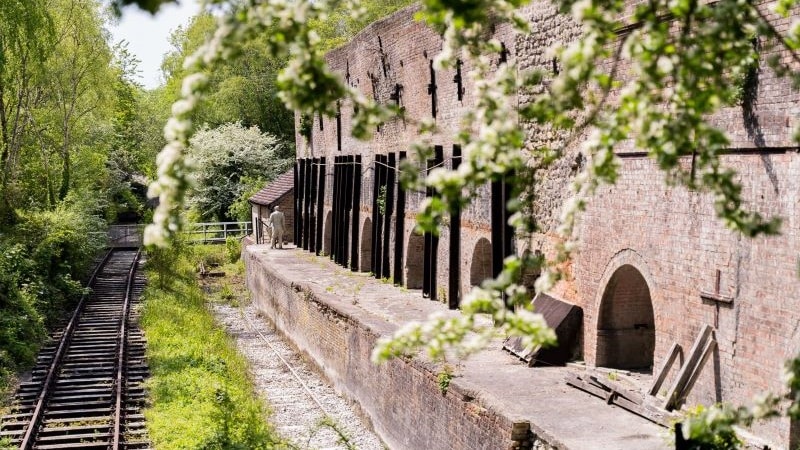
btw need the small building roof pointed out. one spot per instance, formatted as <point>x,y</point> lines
<point>275,190</point>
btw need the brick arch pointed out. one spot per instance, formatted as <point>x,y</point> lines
<point>365,248</point>
<point>327,230</point>
<point>415,251</point>
<point>481,267</point>
<point>626,326</point>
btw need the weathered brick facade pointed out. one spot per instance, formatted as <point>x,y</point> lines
<point>647,250</point>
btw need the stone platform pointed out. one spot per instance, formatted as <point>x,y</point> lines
<point>493,402</point>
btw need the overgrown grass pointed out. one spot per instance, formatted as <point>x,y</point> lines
<point>5,444</point>
<point>202,396</point>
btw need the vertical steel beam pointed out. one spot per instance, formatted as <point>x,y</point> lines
<point>373,265</point>
<point>387,222</point>
<point>355,241</point>
<point>321,205</point>
<point>307,205</point>
<point>312,227</point>
<point>454,281</point>
<point>399,226</point>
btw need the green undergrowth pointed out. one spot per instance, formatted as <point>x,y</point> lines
<point>201,394</point>
<point>229,289</point>
<point>43,258</point>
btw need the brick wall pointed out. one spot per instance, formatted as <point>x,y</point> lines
<point>322,327</point>
<point>647,250</point>
<point>398,50</point>
<point>673,238</point>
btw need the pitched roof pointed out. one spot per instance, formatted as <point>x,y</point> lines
<point>273,191</point>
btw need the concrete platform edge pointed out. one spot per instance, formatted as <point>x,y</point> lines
<point>321,325</point>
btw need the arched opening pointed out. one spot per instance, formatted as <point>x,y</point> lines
<point>365,252</point>
<point>326,235</point>
<point>626,333</point>
<point>481,267</point>
<point>414,260</point>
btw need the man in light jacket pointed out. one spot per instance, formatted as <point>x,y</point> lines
<point>277,222</point>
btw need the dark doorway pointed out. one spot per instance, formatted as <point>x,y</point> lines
<point>481,267</point>
<point>414,261</point>
<point>626,334</point>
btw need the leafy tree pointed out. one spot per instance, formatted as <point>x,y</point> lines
<point>68,135</point>
<point>26,38</point>
<point>244,89</point>
<point>342,23</point>
<point>231,160</point>
<point>57,99</point>
<point>77,74</point>
<point>151,6</point>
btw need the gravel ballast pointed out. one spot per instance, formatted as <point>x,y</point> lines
<point>296,416</point>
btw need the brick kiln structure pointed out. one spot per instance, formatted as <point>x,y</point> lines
<point>655,264</point>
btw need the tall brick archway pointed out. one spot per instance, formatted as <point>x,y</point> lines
<point>365,249</point>
<point>626,335</point>
<point>326,233</point>
<point>415,251</point>
<point>481,266</point>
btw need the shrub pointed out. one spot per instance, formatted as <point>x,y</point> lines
<point>233,247</point>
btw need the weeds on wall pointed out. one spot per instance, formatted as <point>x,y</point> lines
<point>444,378</point>
<point>381,200</point>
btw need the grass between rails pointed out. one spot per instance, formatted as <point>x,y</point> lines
<point>201,392</point>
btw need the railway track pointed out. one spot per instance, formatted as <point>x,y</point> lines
<point>86,390</point>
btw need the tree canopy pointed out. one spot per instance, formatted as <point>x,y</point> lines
<point>231,161</point>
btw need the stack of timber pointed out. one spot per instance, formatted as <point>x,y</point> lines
<point>649,405</point>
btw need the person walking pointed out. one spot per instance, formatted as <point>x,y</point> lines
<point>277,222</point>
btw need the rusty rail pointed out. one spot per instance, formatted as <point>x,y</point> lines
<point>81,388</point>
<point>62,345</point>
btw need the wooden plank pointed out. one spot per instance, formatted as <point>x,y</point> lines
<point>656,416</point>
<point>613,397</point>
<point>577,382</point>
<point>716,297</point>
<point>679,384</point>
<point>666,365</point>
<point>707,351</point>
<point>621,391</point>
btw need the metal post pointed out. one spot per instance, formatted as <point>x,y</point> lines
<point>454,288</point>
<point>399,227</point>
